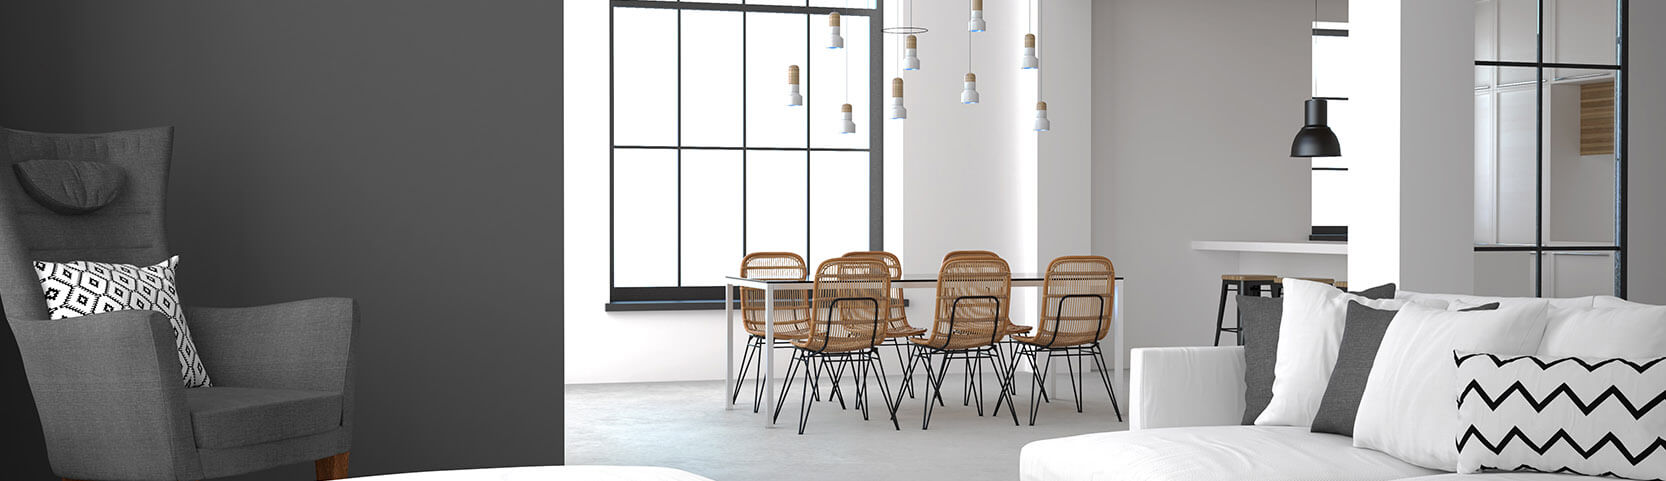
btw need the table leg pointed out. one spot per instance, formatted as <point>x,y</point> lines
<point>1117,323</point>
<point>769,353</point>
<point>729,344</point>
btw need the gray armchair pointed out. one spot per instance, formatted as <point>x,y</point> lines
<point>108,387</point>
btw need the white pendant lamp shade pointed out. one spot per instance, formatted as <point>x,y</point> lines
<point>1041,123</point>
<point>849,123</point>
<point>1029,61</point>
<point>838,39</point>
<point>794,98</point>
<point>970,94</point>
<point>976,23</point>
<point>911,54</point>
<point>897,110</point>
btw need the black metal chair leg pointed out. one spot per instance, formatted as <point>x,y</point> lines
<point>885,392</point>
<point>905,360</point>
<point>787,386</point>
<point>1105,375</point>
<point>1006,391</point>
<point>803,399</point>
<point>861,371</point>
<point>740,378</point>
<point>937,388</point>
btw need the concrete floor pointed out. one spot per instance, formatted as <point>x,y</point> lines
<point>683,425</point>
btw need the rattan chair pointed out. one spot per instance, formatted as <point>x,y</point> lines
<point>1007,346</point>
<point>898,329</point>
<point>849,308</point>
<point>792,313</point>
<point>1078,294</point>
<point>973,295</point>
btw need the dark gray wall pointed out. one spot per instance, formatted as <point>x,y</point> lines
<point>405,153</point>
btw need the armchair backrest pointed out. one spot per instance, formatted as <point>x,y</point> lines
<point>128,230</point>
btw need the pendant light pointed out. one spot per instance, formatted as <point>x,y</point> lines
<point>976,23</point>
<point>850,123</point>
<point>838,39</point>
<point>911,54</point>
<point>970,94</point>
<point>794,98</point>
<point>1041,123</point>
<point>1029,61</point>
<point>1315,139</point>
<point>897,110</point>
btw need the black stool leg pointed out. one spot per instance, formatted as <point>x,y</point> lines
<point>1220,313</point>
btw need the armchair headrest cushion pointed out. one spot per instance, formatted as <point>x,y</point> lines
<point>70,187</point>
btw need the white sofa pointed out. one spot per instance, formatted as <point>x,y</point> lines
<point>1185,406</point>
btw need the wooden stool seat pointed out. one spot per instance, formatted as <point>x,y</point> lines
<point>1320,280</point>
<point>1341,285</point>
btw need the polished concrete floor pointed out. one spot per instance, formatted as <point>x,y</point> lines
<point>683,425</point>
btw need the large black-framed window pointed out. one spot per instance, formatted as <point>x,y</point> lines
<point>1514,82</point>
<point>707,160</point>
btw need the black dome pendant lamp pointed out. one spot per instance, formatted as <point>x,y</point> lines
<point>1315,139</point>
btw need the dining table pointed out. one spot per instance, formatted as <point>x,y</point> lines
<point>905,281</point>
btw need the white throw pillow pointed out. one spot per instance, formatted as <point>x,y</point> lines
<point>1309,334</point>
<point>1409,409</point>
<point>1561,414</point>
<point>1628,332</point>
<point>1465,301</point>
<point>80,288</point>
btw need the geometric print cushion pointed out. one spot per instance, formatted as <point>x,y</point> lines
<point>1595,417</point>
<point>81,288</point>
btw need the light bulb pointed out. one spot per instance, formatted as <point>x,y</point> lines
<point>837,40</point>
<point>1028,61</point>
<point>911,55</point>
<point>794,99</point>
<point>897,110</point>
<point>976,24</point>
<point>850,124</point>
<point>970,95</point>
<point>1041,123</point>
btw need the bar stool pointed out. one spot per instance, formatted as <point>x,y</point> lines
<point>1246,284</point>
<point>1341,285</point>
<point>1278,284</point>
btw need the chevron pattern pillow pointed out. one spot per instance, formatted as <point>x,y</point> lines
<point>81,288</point>
<point>1562,415</point>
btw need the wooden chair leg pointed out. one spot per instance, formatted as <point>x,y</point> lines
<point>333,467</point>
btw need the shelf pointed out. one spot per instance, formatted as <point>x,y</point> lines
<point>1311,247</point>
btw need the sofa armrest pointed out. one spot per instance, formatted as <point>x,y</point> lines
<point>110,396</point>
<point>1186,386</point>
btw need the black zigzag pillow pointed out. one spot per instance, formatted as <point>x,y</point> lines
<point>1597,417</point>
<point>80,288</point>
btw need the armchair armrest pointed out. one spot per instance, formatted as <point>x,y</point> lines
<point>304,344</point>
<point>1186,386</point>
<point>108,390</point>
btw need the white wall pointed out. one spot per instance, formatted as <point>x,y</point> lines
<point>1415,145</point>
<point>957,177</point>
<point>1648,152</point>
<point>1195,103</point>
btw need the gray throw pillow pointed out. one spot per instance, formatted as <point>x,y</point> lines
<point>1259,317</point>
<point>1362,334</point>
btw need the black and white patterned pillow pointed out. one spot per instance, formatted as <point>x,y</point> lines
<point>80,288</point>
<point>1596,417</point>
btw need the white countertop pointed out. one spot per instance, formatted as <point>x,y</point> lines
<point>1307,247</point>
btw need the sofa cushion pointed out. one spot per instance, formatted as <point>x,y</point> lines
<point>1209,453</point>
<point>1258,321</point>
<point>1628,332</point>
<point>1310,334</point>
<point>1514,476</point>
<point>228,417</point>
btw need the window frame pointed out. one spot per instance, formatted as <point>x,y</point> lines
<point>1328,232</point>
<point>711,297</point>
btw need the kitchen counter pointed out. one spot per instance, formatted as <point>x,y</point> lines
<point>1274,247</point>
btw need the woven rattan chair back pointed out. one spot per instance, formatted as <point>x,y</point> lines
<point>792,308</point>
<point>898,318</point>
<point>848,305</point>
<point>971,253</point>
<point>973,297</point>
<point>1077,296</point>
